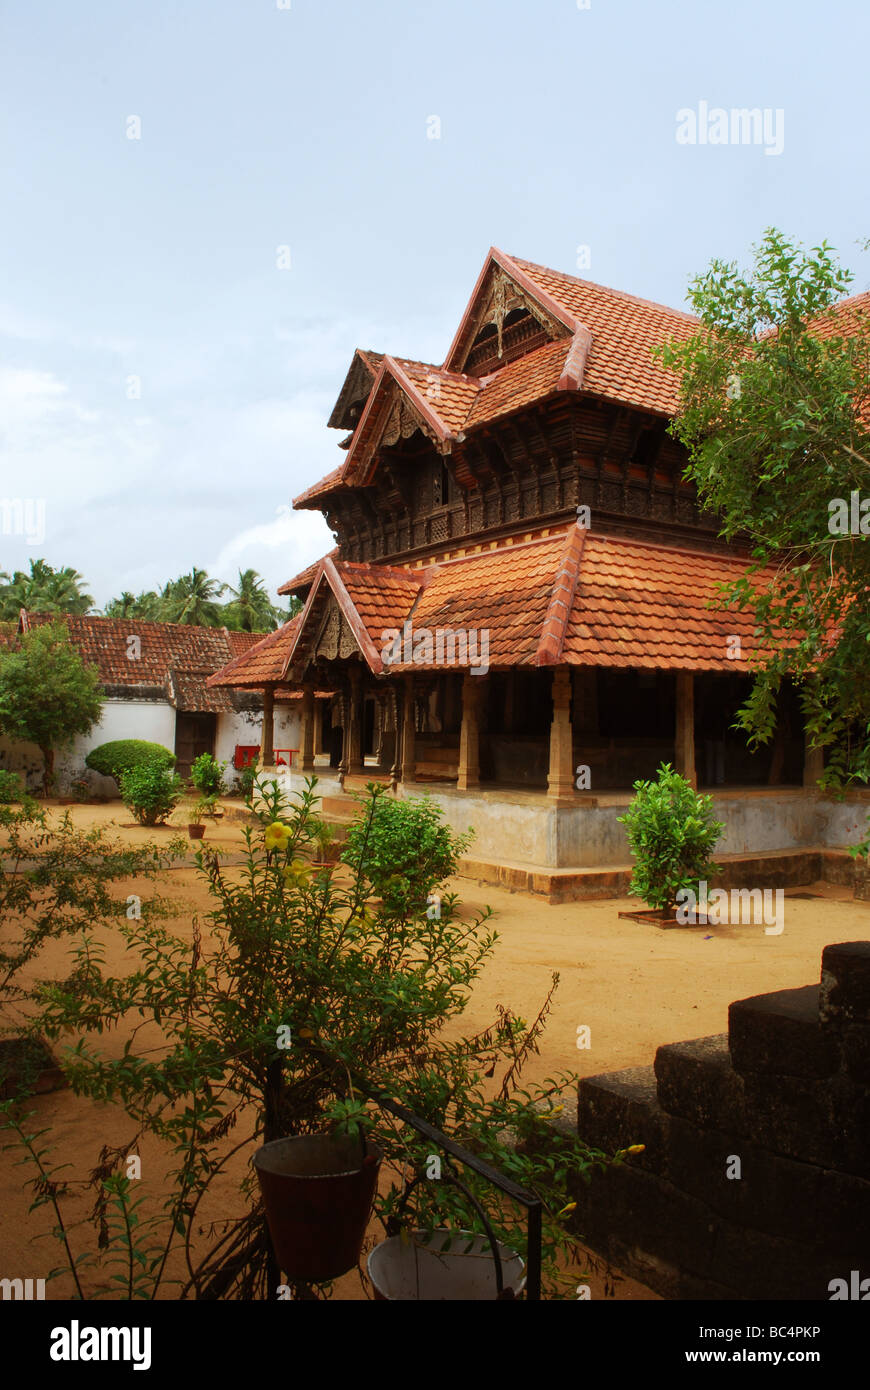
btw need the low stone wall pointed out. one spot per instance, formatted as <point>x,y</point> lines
<point>755,1179</point>
<point>524,829</point>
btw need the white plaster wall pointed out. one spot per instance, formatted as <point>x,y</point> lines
<point>246,728</point>
<point>153,720</point>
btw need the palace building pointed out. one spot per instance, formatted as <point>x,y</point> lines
<point>520,614</point>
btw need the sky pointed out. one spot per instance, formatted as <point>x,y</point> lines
<point>207,205</point>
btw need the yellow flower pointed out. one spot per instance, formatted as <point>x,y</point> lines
<point>277,835</point>
<point>306,1033</point>
<point>570,1207</point>
<point>297,874</point>
<point>636,1149</point>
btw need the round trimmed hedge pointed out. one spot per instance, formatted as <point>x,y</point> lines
<point>124,754</point>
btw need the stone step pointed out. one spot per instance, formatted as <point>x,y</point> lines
<point>845,989</point>
<point>823,1120</point>
<point>620,1108</point>
<point>779,1034</point>
<point>697,1082</point>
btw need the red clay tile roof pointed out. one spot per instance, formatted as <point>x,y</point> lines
<point>570,598</point>
<point>608,354</point>
<point>172,657</point>
<point>382,597</point>
<point>624,328</point>
<point>263,663</point>
<point>643,605</point>
<point>528,379</point>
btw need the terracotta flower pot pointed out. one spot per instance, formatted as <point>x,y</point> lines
<point>196,832</point>
<point>318,1191</point>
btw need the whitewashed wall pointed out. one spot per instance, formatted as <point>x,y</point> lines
<point>246,728</point>
<point>153,720</point>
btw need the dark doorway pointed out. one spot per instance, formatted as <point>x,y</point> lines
<point>369,729</point>
<point>194,734</point>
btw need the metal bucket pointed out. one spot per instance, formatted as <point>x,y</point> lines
<point>318,1191</point>
<point>419,1268</point>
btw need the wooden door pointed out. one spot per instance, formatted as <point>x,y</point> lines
<point>194,734</point>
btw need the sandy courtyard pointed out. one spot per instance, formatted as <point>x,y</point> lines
<point>632,985</point>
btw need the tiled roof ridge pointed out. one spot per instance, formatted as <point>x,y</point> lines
<point>607,289</point>
<point>426,366</point>
<point>31,614</point>
<point>561,604</point>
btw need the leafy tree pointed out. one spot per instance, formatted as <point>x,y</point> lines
<point>775,409</point>
<point>44,590</point>
<point>47,693</point>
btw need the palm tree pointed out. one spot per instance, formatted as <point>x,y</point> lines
<point>251,610</point>
<point>44,590</point>
<point>192,599</point>
<point>123,607</point>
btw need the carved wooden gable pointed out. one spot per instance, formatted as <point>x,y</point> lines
<point>500,298</point>
<point>334,638</point>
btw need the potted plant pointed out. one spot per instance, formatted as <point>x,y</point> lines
<point>672,833</point>
<point>80,788</point>
<point>206,776</point>
<point>318,1191</point>
<point>196,816</point>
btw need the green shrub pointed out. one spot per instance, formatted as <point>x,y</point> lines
<point>404,851</point>
<point>123,754</point>
<point>671,833</point>
<point>207,774</point>
<point>246,781</point>
<point>151,792</point>
<point>11,787</point>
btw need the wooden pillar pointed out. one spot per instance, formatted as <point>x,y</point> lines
<point>560,781</point>
<point>306,751</point>
<point>814,763</point>
<point>469,736</point>
<point>318,726</point>
<point>684,741</point>
<point>407,759</point>
<point>356,761</point>
<point>267,737</point>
